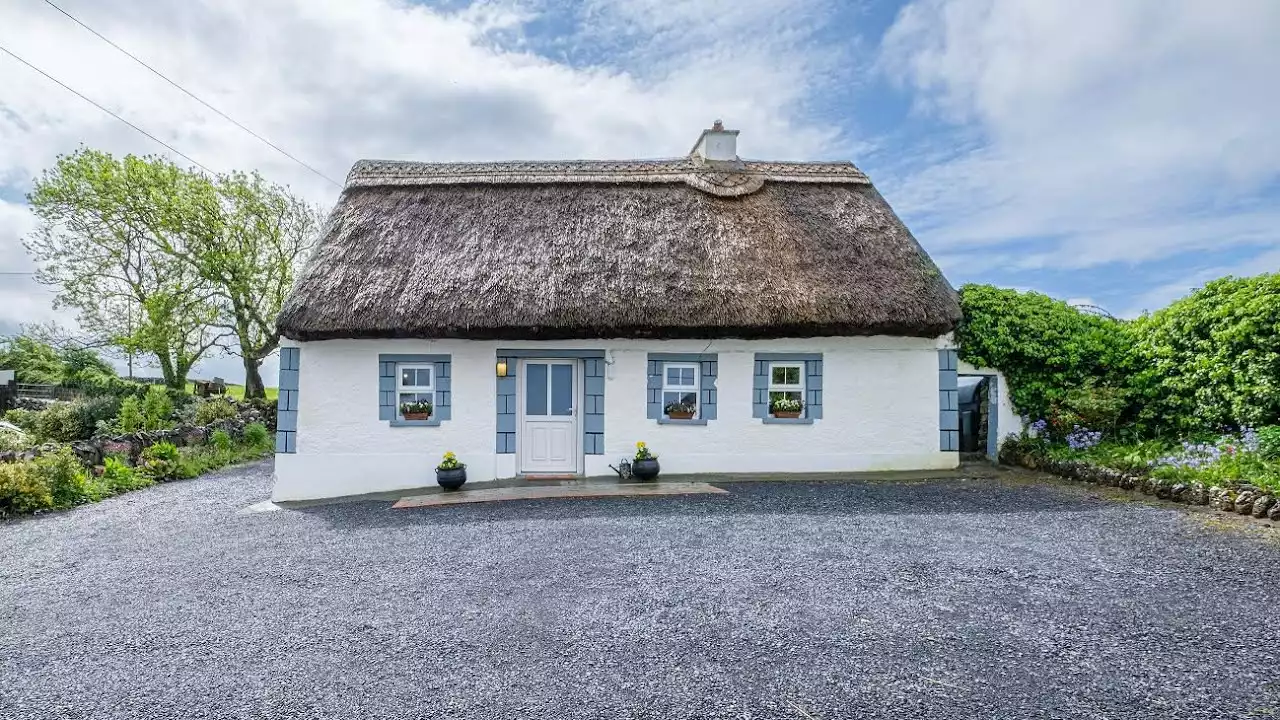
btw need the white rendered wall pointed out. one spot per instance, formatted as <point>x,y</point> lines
<point>880,412</point>
<point>1009,422</point>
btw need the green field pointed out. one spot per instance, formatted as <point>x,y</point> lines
<point>237,391</point>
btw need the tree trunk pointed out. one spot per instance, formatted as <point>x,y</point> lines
<point>253,388</point>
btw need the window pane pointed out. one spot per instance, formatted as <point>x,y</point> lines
<point>535,389</point>
<point>779,375</point>
<point>793,376</point>
<point>790,394</point>
<point>406,377</point>
<point>686,376</point>
<point>561,389</point>
<point>689,398</point>
<point>673,376</point>
<point>670,397</point>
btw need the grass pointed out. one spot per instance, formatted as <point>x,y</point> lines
<point>236,392</point>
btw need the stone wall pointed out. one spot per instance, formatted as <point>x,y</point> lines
<point>93,451</point>
<point>1241,499</point>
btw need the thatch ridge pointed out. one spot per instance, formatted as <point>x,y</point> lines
<point>548,259</point>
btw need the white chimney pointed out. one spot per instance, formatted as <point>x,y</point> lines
<point>717,144</point>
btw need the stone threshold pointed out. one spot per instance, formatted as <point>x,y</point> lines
<point>541,492</point>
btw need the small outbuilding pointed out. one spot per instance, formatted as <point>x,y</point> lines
<point>738,316</point>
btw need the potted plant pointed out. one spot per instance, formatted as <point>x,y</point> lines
<point>450,473</point>
<point>680,410</point>
<point>784,407</point>
<point>420,410</point>
<point>645,465</point>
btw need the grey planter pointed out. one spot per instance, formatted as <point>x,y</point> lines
<point>451,479</point>
<point>645,469</point>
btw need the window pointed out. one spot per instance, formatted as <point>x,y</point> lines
<point>680,386</point>
<point>786,381</point>
<point>414,383</point>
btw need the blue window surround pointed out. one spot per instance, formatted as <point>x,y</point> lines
<point>948,402</point>
<point>592,401</point>
<point>442,380</point>
<point>812,387</point>
<point>287,405</point>
<point>709,367</point>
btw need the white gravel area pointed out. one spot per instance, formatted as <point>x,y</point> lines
<point>942,599</point>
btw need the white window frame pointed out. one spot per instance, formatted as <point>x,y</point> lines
<point>428,389</point>
<point>788,387</point>
<point>696,388</point>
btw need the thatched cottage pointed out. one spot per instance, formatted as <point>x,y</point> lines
<point>739,316</point>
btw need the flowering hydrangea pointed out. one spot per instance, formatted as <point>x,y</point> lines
<point>1249,439</point>
<point>1194,456</point>
<point>1083,438</point>
<point>1039,427</point>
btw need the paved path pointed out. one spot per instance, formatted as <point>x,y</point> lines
<point>963,599</point>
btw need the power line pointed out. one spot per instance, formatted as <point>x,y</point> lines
<point>192,95</point>
<point>171,148</point>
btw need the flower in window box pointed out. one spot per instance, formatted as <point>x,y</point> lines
<point>784,407</point>
<point>416,410</point>
<point>680,410</point>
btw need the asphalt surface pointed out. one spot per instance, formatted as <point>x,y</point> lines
<point>955,599</point>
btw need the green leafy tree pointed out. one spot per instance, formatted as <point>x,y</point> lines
<point>252,239</point>
<point>32,361</point>
<point>102,220</point>
<point>1047,350</point>
<point>1212,358</point>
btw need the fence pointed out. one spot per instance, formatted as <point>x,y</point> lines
<point>46,392</point>
<point>8,393</point>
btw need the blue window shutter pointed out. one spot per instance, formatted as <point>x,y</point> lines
<point>760,390</point>
<point>708,399</point>
<point>813,388</point>
<point>444,390</point>
<point>654,390</point>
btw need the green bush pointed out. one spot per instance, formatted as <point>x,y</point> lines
<point>220,440</point>
<point>161,462</point>
<point>1212,359</point>
<point>211,411</point>
<point>257,437</point>
<point>67,479</point>
<point>12,442</point>
<point>63,423</point>
<point>1269,442</point>
<point>118,477</point>
<point>130,418</point>
<point>157,408</point>
<point>95,410</point>
<point>23,418</point>
<point>22,491</point>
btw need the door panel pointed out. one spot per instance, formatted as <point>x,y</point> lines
<point>548,433</point>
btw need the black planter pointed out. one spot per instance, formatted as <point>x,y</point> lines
<point>645,469</point>
<point>451,479</point>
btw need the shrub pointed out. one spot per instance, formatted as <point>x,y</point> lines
<point>211,411</point>
<point>118,477</point>
<point>67,479</point>
<point>157,407</point>
<point>63,423</point>
<point>130,419</point>
<point>195,462</point>
<point>256,436</point>
<point>13,442</point>
<point>220,440</point>
<point>98,410</point>
<point>22,491</point>
<point>1097,406</point>
<point>23,418</point>
<point>161,462</point>
<point>1269,442</point>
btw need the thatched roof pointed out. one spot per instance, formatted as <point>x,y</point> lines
<point>588,249</point>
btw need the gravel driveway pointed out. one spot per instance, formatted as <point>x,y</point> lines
<point>955,599</point>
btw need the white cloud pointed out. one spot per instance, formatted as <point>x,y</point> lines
<point>1103,131</point>
<point>340,80</point>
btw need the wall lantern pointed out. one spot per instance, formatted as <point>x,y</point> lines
<point>502,368</point>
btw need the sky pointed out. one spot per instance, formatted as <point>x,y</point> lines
<point>1110,152</point>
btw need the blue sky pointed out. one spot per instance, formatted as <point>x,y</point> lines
<point>1117,153</point>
